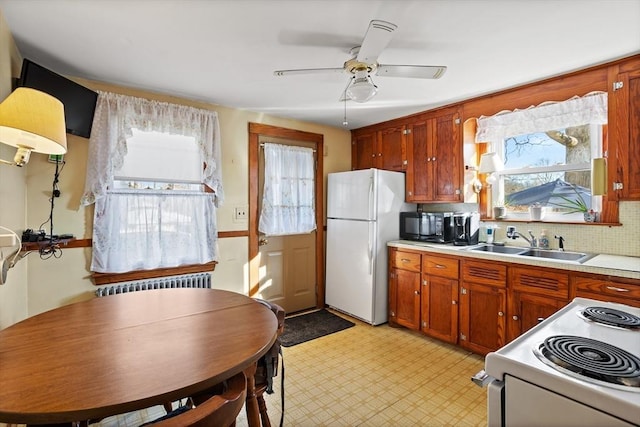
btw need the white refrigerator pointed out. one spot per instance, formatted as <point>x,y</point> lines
<point>363,209</point>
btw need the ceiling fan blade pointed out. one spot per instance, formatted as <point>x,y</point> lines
<point>308,71</point>
<point>378,36</point>
<point>411,71</point>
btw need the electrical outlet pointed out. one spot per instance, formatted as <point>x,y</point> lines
<point>240,214</point>
<point>7,240</point>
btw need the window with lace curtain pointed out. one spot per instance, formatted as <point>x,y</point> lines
<point>153,176</point>
<point>546,153</point>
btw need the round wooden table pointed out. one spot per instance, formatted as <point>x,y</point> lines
<point>126,352</point>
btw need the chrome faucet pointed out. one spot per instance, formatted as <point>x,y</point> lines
<point>512,233</point>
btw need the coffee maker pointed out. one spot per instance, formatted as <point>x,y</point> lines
<point>466,227</point>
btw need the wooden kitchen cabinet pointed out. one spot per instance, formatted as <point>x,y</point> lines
<point>363,151</point>
<point>624,126</point>
<point>483,305</point>
<point>434,158</point>
<point>439,298</point>
<point>381,149</point>
<point>534,294</point>
<point>606,288</point>
<point>404,288</point>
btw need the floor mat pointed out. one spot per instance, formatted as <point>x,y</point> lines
<point>306,327</point>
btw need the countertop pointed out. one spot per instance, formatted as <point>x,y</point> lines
<point>612,265</point>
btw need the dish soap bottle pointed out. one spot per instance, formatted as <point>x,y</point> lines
<point>490,234</point>
<point>543,242</point>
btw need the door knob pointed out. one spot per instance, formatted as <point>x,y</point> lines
<point>262,242</point>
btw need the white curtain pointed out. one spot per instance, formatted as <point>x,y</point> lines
<point>133,231</point>
<point>577,111</point>
<point>117,114</point>
<point>288,196</point>
<point>145,231</point>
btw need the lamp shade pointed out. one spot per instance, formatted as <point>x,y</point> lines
<point>33,120</point>
<point>489,163</point>
<point>598,176</point>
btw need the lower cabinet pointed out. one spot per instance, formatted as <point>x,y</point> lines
<point>534,295</point>
<point>439,298</point>
<point>483,306</point>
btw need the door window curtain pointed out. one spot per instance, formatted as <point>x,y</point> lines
<point>134,230</point>
<point>577,111</point>
<point>289,188</point>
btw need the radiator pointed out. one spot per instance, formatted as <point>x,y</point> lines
<point>197,280</point>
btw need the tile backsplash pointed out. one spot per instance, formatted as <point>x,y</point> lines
<point>616,240</point>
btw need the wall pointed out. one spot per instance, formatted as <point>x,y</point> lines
<point>13,295</point>
<point>55,282</point>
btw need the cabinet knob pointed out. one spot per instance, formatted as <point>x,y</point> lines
<point>416,292</point>
<point>515,317</point>
<point>433,159</point>
<point>454,302</point>
<point>500,313</point>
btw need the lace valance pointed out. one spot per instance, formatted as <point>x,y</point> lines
<point>588,109</point>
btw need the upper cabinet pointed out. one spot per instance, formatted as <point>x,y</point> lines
<point>624,129</point>
<point>383,149</point>
<point>434,158</point>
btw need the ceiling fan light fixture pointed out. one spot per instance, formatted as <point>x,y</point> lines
<point>362,89</point>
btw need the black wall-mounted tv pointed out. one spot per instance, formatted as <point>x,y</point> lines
<point>79,101</point>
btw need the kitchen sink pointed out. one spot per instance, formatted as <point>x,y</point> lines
<point>578,257</point>
<point>499,249</point>
<point>559,255</point>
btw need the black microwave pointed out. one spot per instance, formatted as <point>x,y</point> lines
<point>434,227</point>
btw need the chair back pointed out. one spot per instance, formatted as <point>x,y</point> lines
<point>216,411</point>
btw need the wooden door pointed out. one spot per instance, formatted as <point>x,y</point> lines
<point>446,158</point>
<point>419,170</point>
<point>364,151</point>
<point>482,317</point>
<point>527,310</point>
<point>287,263</point>
<point>392,149</point>
<point>440,308</point>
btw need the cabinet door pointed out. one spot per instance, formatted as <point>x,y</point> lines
<point>446,159</point>
<point>419,170</point>
<point>363,151</point>
<point>405,286</point>
<point>482,317</point>
<point>439,317</point>
<point>392,149</point>
<point>626,132</point>
<point>527,310</point>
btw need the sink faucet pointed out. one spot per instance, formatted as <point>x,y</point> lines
<point>560,242</point>
<point>512,233</point>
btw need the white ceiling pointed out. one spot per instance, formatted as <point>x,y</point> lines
<point>225,51</point>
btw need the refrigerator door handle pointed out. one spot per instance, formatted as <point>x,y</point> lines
<point>371,199</point>
<point>371,237</point>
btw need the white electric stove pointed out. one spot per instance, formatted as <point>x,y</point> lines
<point>579,367</point>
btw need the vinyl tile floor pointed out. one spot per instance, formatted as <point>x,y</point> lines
<point>368,376</point>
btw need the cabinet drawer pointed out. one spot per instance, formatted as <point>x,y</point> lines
<point>608,290</point>
<point>487,273</point>
<point>439,266</point>
<point>406,261</point>
<point>543,282</point>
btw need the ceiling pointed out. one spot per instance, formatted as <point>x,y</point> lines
<point>225,51</point>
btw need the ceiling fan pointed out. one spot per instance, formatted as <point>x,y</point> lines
<point>364,63</point>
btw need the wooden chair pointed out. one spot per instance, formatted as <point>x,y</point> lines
<point>268,365</point>
<point>214,410</point>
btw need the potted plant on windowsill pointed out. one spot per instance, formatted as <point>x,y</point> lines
<point>575,204</point>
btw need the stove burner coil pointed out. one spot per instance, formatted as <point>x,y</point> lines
<point>612,317</point>
<point>593,359</point>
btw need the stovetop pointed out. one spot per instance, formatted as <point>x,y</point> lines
<point>604,347</point>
